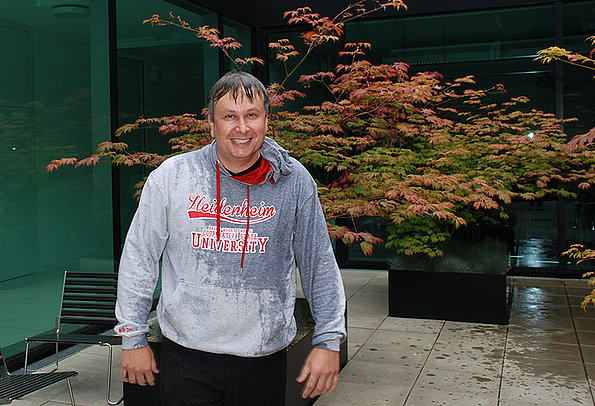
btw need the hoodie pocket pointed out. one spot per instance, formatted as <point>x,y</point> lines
<point>245,322</point>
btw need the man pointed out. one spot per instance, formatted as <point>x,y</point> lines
<point>230,222</point>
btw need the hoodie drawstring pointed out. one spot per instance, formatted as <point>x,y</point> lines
<point>218,204</point>
<point>247,228</point>
<point>254,177</point>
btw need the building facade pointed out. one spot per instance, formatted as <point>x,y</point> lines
<point>73,71</point>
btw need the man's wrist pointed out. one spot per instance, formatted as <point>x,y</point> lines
<point>134,342</point>
<point>332,345</point>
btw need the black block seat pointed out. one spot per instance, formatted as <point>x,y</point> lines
<point>13,387</point>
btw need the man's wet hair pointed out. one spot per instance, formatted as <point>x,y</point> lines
<point>236,82</point>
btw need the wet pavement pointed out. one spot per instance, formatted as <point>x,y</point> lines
<point>545,356</point>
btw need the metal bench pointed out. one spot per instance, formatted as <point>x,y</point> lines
<point>89,299</point>
<point>15,386</point>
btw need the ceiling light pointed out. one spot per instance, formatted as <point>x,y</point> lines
<point>70,11</point>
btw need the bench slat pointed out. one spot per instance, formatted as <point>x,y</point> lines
<point>15,386</point>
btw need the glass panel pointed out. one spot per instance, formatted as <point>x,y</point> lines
<point>536,234</point>
<point>162,71</point>
<point>579,102</point>
<point>580,222</point>
<point>241,33</point>
<point>579,23</point>
<point>18,206</point>
<point>380,254</point>
<point>54,103</point>
<point>321,59</point>
<point>496,46</point>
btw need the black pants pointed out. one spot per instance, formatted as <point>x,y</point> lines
<point>197,378</point>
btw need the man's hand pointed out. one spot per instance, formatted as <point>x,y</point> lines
<point>138,366</point>
<point>322,371</point>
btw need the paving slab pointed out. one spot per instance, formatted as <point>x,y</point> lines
<point>452,379</point>
<point>544,350</point>
<point>376,372</point>
<point>584,323</point>
<point>543,381</point>
<point>360,394</point>
<point>528,335</point>
<point>440,397</point>
<point>586,337</point>
<point>409,348</point>
<point>411,324</point>
<point>356,338</point>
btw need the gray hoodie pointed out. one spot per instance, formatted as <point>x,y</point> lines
<point>224,291</point>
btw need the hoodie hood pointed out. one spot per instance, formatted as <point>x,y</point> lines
<point>277,156</point>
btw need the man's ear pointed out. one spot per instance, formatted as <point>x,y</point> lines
<point>211,124</point>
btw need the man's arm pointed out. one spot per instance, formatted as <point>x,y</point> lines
<point>138,275</point>
<point>321,370</point>
<point>323,287</point>
<point>319,272</point>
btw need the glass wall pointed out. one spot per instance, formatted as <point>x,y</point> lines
<point>498,46</point>
<point>241,33</point>
<point>579,102</point>
<point>321,59</point>
<point>162,70</point>
<point>495,46</point>
<point>54,103</point>
<point>579,23</point>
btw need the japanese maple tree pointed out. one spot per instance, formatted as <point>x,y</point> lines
<point>427,154</point>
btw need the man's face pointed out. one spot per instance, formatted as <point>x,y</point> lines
<point>239,127</point>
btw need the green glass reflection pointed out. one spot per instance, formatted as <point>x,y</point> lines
<point>496,46</point>
<point>54,102</point>
<point>162,71</point>
<point>241,33</point>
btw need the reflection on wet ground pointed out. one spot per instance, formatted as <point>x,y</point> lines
<point>545,356</point>
<point>535,253</point>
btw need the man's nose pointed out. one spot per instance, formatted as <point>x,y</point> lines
<point>242,126</point>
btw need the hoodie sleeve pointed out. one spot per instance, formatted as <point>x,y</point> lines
<point>139,266</point>
<point>319,272</point>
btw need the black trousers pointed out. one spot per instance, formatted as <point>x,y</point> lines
<point>196,378</point>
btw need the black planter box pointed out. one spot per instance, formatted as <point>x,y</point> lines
<point>454,296</point>
<point>135,395</point>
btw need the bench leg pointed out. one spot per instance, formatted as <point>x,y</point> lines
<point>70,391</point>
<point>27,357</point>
<point>109,378</point>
